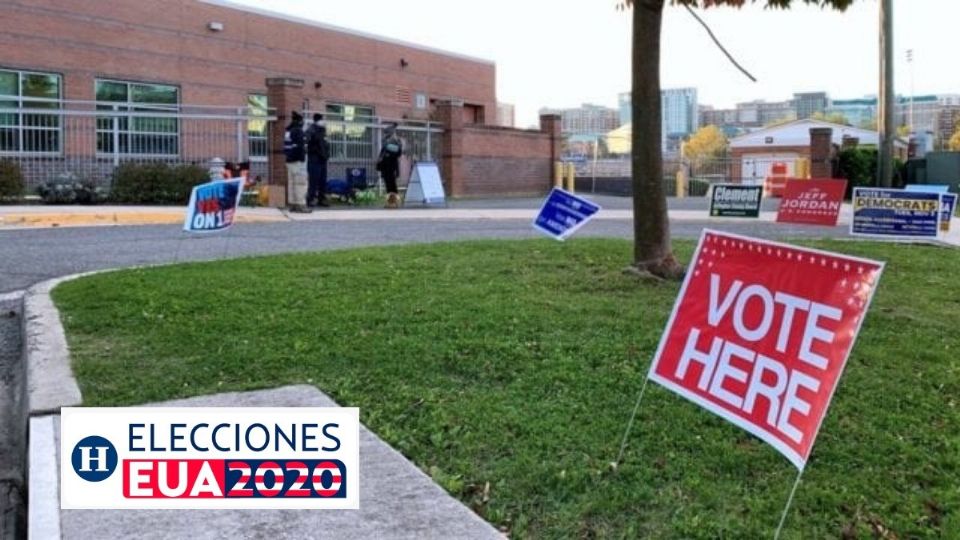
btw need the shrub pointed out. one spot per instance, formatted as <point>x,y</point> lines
<point>155,183</point>
<point>67,191</point>
<point>11,180</point>
<point>859,167</point>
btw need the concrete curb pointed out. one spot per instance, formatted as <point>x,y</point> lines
<point>109,217</point>
<point>50,381</point>
<point>43,480</point>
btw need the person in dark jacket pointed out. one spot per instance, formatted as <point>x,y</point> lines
<point>388,163</point>
<point>318,152</point>
<point>295,150</point>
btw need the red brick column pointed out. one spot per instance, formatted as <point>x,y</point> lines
<point>821,152</point>
<point>284,96</point>
<point>552,125</point>
<point>450,115</point>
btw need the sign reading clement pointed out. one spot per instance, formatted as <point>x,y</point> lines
<point>735,200</point>
<point>213,206</point>
<point>209,458</point>
<point>761,332</point>
<point>812,202</point>
<point>563,213</point>
<point>894,213</point>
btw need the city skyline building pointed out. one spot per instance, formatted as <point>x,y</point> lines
<point>588,119</point>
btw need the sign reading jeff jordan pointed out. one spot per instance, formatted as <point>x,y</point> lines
<point>735,200</point>
<point>209,458</point>
<point>761,332</point>
<point>812,202</point>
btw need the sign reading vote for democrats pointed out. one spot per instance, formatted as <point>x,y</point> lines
<point>563,213</point>
<point>735,200</point>
<point>896,213</point>
<point>812,202</point>
<point>213,206</point>
<point>761,332</point>
<point>209,458</point>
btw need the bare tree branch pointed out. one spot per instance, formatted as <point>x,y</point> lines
<point>715,40</point>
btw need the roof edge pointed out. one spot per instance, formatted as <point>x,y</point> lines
<point>340,29</point>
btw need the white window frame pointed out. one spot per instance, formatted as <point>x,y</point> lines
<point>20,127</point>
<point>129,106</point>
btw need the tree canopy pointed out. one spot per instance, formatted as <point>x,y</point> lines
<point>781,4</point>
<point>955,140</point>
<point>706,143</point>
<point>651,225</point>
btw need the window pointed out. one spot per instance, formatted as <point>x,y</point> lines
<point>256,128</point>
<point>29,132</point>
<point>155,133</point>
<point>350,131</point>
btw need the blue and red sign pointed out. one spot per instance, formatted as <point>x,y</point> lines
<point>213,206</point>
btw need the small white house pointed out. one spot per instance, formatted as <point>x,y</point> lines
<point>755,153</point>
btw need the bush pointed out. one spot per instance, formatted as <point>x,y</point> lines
<point>68,189</point>
<point>155,183</point>
<point>859,167</point>
<point>11,180</point>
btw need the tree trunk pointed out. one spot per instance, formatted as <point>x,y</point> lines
<point>651,227</point>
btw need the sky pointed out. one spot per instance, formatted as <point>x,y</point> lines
<point>562,53</point>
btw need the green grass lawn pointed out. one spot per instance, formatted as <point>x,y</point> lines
<point>508,371</point>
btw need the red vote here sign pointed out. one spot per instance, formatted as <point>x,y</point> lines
<point>761,332</point>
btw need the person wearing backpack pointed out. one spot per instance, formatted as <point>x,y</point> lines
<point>388,163</point>
<point>295,152</point>
<point>318,153</point>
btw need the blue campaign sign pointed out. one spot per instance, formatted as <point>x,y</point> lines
<point>947,209</point>
<point>213,206</point>
<point>927,188</point>
<point>895,213</point>
<point>563,213</point>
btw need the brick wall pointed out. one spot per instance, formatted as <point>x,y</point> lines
<point>167,41</point>
<point>504,161</point>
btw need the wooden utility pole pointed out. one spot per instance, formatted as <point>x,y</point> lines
<point>886,124</point>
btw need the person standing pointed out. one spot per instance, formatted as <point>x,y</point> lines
<point>318,152</point>
<point>295,151</point>
<point>388,163</point>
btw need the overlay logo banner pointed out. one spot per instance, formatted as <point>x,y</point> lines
<point>209,458</point>
<point>761,332</point>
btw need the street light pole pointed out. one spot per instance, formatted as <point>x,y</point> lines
<point>887,130</point>
<point>912,92</point>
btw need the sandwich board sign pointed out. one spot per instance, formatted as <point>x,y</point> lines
<point>761,332</point>
<point>563,213</point>
<point>426,186</point>
<point>213,206</point>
